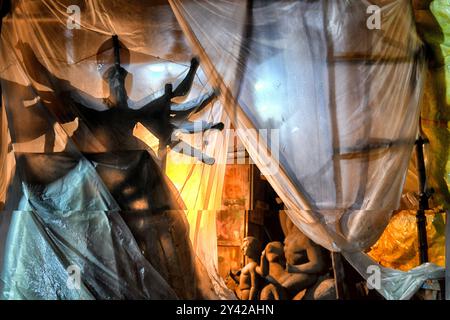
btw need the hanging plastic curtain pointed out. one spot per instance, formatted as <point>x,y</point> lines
<point>337,85</point>
<point>86,196</point>
<point>398,245</point>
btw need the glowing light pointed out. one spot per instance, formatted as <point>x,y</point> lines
<point>264,108</point>
<point>158,68</point>
<point>260,85</point>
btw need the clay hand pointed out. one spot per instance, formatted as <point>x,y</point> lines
<point>292,269</point>
<point>289,268</point>
<point>263,254</point>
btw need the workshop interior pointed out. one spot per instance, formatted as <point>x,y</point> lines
<point>224,149</point>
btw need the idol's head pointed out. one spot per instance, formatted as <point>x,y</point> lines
<point>251,248</point>
<point>275,252</point>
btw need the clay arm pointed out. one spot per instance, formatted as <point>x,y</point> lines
<point>171,116</point>
<point>184,110</point>
<point>163,104</point>
<point>263,268</point>
<point>254,285</point>
<point>149,101</point>
<point>198,126</point>
<point>182,89</point>
<point>182,147</point>
<point>159,107</point>
<point>185,86</point>
<point>315,264</point>
<point>180,112</point>
<point>85,99</point>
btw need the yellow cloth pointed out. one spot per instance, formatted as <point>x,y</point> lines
<point>398,246</point>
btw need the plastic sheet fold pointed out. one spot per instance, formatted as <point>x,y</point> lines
<point>83,189</point>
<point>394,284</point>
<point>45,238</point>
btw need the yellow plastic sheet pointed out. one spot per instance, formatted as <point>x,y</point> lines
<point>398,246</point>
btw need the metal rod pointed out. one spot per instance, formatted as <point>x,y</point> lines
<point>116,45</point>
<point>339,275</point>
<point>424,196</point>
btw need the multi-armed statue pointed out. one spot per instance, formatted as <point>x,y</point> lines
<point>119,173</point>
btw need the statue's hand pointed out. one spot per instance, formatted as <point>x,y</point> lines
<point>291,269</point>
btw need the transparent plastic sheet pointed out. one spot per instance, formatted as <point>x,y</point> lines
<point>395,284</point>
<point>67,202</point>
<point>343,99</point>
<point>201,187</point>
<point>43,242</point>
